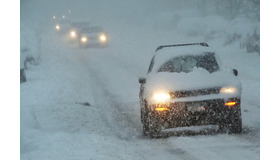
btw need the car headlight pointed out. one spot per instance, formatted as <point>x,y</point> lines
<point>84,39</point>
<point>228,90</point>
<point>73,34</point>
<point>57,27</point>
<point>161,96</point>
<point>103,38</point>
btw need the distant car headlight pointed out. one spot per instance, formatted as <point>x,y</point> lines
<point>103,38</point>
<point>161,96</point>
<point>57,27</point>
<point>73,34</point>
<point>84,39</point>
<point>228,90</point>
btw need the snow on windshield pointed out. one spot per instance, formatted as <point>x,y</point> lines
<point>189,63</point>
<point>166,54</point>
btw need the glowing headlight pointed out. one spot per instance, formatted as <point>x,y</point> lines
<point>53,17</point>
<point>228,90</point>
<point>161,96</point>
<point>84,39</point>
<point>57,27</point>
<point>102,38</point>
<point>73,34</point>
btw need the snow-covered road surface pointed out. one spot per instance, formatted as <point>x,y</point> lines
<point>83,103</point>
<point>109,127</point>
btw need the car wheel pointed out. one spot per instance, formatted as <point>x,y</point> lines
<point>222,126</point>
<point>142,116</point>
<point>154,127</point>
<point>233,126</point>
<point>145,123</point>
<point>236,127</point>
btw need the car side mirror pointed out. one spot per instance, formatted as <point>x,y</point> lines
<point>142,80</point>
<point>235,72</point>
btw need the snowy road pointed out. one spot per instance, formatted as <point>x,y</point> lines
<point>83,118</point>
<point>83,103</point>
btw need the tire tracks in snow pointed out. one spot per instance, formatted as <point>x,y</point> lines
<point>127,124</point>
<point>116,118</point>
<point>121,121</point>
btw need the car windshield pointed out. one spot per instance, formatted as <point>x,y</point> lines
<point>188,63</point>
<point>91,29</point>
<point>80,24</point>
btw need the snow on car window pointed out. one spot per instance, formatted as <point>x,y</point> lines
<point>189,63</point>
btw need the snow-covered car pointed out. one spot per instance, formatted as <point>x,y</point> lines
<point>72,32</point>
<point>92,36</point>
<point>187,85</point>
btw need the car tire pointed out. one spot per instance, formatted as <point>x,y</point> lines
<point>154,126</point>
<point>236,127</point>
<point>145,123</point>
<point>142,115</point>
<point>233,122</point>
<point>222,126</point>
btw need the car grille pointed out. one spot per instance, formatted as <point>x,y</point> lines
<point>193,93</point>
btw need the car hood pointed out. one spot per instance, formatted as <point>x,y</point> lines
<point>190,81</point>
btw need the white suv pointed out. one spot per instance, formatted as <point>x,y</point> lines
<point>187,85</point>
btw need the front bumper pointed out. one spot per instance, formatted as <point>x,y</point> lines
<point>195,113</point>
<point>92,44</point>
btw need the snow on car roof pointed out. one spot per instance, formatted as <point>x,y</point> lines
<point>165,54</point>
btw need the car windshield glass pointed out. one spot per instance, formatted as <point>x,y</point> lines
<point>91,29</point>
<point>188,63</point>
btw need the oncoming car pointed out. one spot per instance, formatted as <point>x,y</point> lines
<point>73,31</point>
<point>92,36</point>
<point>186,85</point>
